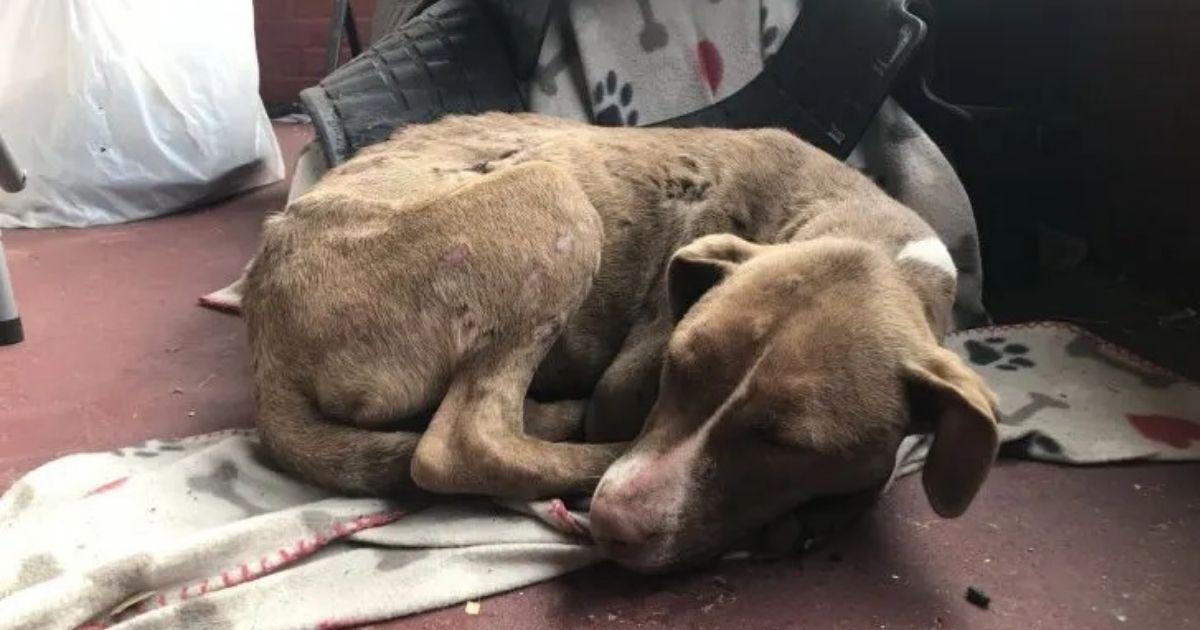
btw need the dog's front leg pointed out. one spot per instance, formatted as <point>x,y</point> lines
<point>472,447</point>
<point>816,522</point>
<point>627,390</point>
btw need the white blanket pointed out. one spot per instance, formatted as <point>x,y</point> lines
<point>200,532</point>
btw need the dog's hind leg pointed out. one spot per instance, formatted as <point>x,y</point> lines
<point>542,249</point>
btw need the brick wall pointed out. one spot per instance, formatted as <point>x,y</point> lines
<point>291,37</point>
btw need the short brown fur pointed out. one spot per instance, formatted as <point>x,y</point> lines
<point>732,294</point>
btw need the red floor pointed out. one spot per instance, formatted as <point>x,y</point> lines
<point>117,352</point>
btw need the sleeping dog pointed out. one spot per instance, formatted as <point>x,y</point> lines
<point>704,328</point>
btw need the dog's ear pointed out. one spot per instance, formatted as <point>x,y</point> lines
<point>951,399</point>
<point>698,266</point>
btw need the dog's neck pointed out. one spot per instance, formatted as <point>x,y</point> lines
<point>900,234</point>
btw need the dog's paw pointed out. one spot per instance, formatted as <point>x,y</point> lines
<point>612,106</point>
<point>812,525</point>
<point>999,353</point>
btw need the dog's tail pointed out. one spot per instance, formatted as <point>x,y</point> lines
<point>339,457</point>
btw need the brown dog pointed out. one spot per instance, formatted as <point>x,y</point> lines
<point>762,322</point>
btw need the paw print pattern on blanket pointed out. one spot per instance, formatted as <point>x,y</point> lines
<point>1036,445</point>
<point>996,352</point>
<point>1084,347</point>
<point>34,570</point>
<point>548,74</point>
<point>317,521</point>
<point>393,559</point>
<point>1037,403</point>
<point>23,496</point>
<point>654,33</point>
<point>220,484</point>
<point>769,33</point>
<point>149,448</point>
<point>201,614</point>
<point>612,106</point>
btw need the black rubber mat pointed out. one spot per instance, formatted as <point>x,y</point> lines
<point>451,58</point>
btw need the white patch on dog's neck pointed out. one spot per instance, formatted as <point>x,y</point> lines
<point>930,251</point>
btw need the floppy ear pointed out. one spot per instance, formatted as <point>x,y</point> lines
<point>951,398</point>
<point>698,266</point>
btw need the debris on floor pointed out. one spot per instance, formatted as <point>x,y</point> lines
<point>978,598</point>
<point>1182,316</point>
<point>472,608</point>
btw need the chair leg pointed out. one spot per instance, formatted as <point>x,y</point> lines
<point>10,321</point>
<point>342,22</point>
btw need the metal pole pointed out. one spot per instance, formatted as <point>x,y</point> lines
<point>337,24</point>
<point>10,320</point>
<point>342,22</point>
<point>12,179</point>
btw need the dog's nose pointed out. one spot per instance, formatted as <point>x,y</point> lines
<point>616,528</point>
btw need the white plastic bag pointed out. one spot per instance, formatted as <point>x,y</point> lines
<point>126,109</point>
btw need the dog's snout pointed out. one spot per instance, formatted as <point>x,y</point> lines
<point>617,526</point>
<point>636,510</point>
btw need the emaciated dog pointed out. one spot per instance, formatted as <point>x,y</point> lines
<point>706,327</point>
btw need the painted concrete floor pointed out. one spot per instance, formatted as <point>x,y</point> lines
<point>112,330</point>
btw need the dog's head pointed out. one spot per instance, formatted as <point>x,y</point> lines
<point>793,373</point>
